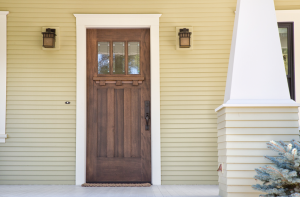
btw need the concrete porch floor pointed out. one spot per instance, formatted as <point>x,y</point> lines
<point>77,191</point>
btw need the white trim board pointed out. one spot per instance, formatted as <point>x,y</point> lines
<point>293,16</point>
<point>3,67</point>
<point>258,103</point>
<point>85,21</point>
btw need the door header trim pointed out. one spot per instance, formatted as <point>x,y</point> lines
<point>85,21</point>
<point>119,16</point>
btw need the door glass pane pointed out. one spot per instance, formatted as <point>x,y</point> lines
<point>103,57</point>
<point>284,47</point>
<point>133,58</point>
<point>118,58</point>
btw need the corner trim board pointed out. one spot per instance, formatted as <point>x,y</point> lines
<point>85,21</point>
<point>3,70</point>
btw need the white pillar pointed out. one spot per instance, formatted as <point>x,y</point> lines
<point>257,107</point>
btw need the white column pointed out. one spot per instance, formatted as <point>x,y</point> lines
<point>257,107</point>
<point>3,75</point>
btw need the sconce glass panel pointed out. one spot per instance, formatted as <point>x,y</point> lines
<point>49,38</point>
<point>103,57</point>
<point>118,57</point>
<point>133,58</point>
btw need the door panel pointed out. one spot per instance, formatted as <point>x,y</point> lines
<point>118,145</point>
<point>102,123</point>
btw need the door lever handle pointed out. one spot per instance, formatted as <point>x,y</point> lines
<point>147,121</point>
<point>147,114</point>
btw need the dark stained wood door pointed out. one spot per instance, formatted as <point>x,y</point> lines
<point>118,142</point>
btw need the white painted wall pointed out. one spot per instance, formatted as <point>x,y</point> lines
<point>3,75</point>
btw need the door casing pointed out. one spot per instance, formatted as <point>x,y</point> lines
<point>84,21</point>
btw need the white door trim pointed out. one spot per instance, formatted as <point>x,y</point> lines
<point>85,21</point>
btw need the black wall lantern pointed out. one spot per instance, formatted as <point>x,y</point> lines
<point>49,38</point>
<point>184,38</point>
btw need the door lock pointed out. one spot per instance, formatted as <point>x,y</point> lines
<point>147,114</point>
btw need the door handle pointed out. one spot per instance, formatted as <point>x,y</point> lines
<point>147,114</point>
<point>147,121</point>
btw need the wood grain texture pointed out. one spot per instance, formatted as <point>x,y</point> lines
<point>136,123</point>
<point>119,123</point>
<point>122,143</point>
<point>119,170</point>
<point>127,123</point>
<point>135,83</point>
<point>119,83</point>
<point>102,123</point>
<point>90,114</point>
<point>110,122</point>
<point>145,96</point>
<point>120,78</point>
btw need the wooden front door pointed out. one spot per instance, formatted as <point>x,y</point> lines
<point>118,106</point>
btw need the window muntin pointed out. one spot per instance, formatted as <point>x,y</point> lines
<point>119,58</point>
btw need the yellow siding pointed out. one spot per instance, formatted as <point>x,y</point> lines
<point>41,128</point>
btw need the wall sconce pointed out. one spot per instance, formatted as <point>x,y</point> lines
<point>184,38</point>
<point>49,38</point>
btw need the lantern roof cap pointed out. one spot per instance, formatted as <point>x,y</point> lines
<point>184,31</point>
<point>49,31</point>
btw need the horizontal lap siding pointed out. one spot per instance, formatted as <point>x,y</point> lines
<point>41,128</point>
<point>40,148</point>
<point>242,137</point>
<point>192,86</point>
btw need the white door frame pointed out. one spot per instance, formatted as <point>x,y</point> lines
<point>85,21</point>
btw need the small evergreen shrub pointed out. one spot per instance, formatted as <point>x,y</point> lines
<point>283,178</point>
